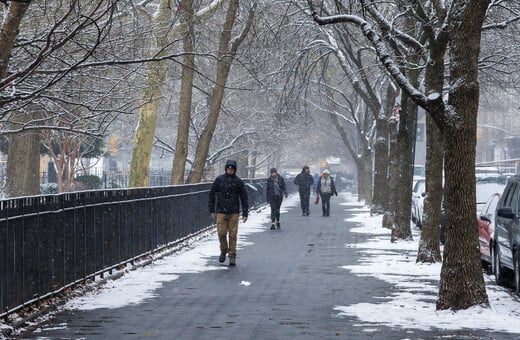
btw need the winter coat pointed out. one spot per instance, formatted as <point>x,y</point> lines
<point>332,186</point>
<point>304,181</point>
<point>226,194</point>
<point>271,192</point>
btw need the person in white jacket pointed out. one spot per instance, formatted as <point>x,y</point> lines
<point>326,189</point>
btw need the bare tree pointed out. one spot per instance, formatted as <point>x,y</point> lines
<point>148,112</point>
<point>228,47</point>
<point>181,145</point>
<point>461,261</point>
<point>36,55</point>
<point>165,33</point>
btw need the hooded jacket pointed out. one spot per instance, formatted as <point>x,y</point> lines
<point>304,180</point>
<point>271,192</point>
<point>227,193</point>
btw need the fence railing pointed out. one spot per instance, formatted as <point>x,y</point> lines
<point>50,242</point>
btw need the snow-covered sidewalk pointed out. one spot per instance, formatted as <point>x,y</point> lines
<point>412,304</point>
<point>409,306</point>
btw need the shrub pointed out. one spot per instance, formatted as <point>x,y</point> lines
<point>89,182</point>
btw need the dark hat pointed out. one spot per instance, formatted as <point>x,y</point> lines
<point>305,167</point>
<point>231,164</point>
<point>273,170</point>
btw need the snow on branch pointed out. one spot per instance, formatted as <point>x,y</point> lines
<point>406,38</point>
<point>385,58</point>
<point>220,151</point>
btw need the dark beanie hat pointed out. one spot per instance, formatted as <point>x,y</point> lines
<point>231,164</point>
<point>273,170</point>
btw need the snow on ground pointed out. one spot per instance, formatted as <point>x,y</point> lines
<point>139,285</point>
<point>412,303</point>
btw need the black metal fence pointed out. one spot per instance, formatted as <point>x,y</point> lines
<point>50,242</point>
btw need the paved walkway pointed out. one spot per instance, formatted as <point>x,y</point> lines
<point>285,286</point>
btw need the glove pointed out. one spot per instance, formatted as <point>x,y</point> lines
<point>286,195</point>
<point>336,193</point>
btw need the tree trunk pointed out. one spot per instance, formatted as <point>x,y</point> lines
<point>389,215</point>
<point>462,283</point>
<point>406,145</point>
<point>380,201</point>
<point>23,171</point>
<point>225,57</point>
<point>148,113</point>
<point>9,31</point>
<point>405,140</point>
<point>183,129</point>
<point>23,160</point>
<point>66,160</point>
<point>364,170</point>
<point>429,245</point>
<point>380,197</point>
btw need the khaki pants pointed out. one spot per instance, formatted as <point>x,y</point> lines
<point>227,223</point>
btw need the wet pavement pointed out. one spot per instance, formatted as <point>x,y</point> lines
<point>295,278</point>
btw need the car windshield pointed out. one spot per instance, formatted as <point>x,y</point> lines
<point>419,187</point>
<point>491,204</point>
<point>418,170</point>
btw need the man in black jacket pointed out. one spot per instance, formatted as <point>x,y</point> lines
<point>227,193</point>
<point>304,181</point>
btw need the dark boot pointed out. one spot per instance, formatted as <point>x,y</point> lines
<point>272,226</point>
<point>222,257</point>
<point>232,260</point>
<point>277,225</point>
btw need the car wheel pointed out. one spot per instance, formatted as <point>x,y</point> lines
<point>499,271</point>
<point>516,272</point>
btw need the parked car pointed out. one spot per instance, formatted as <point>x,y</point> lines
<point>486,231</point>
<point>419,171</point>
<point>418,191</point>
<point>506,255</point>
<point>486,186</point>
<point>417,216</point>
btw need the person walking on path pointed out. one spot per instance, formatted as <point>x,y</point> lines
<point>304,181</point>
<point>326,189</point>
<point>275,193</point>
<point>227,193</point>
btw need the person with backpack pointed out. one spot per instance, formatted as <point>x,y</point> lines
<point>227,193</point>
<point>326,188</point>
<point>304,181</point>
<point>275,192</point>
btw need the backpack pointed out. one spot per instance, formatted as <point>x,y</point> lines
<point>277,189</point>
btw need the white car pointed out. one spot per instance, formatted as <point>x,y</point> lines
<point>419,188</point>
